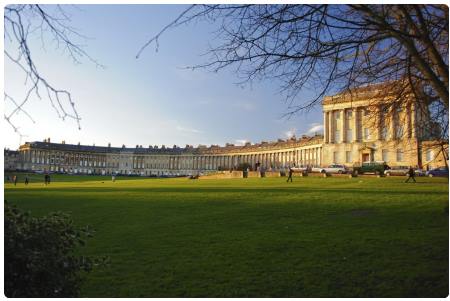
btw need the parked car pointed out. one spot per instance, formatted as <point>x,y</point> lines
<point>397,171</point>
<point>376,167</point>
<point>438,172</point>
<point>420,172</point>
<point>300,168</point>
<point>316,169</point>
<point>334,168</point>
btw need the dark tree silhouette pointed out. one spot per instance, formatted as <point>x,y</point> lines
<point>330,49</point>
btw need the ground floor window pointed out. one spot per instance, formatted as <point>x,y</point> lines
<point>348,157</point>
<point>335,157</point>
<point>384,155</point>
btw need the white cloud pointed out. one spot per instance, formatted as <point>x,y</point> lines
<point>187,130</point>
<point>315,128</point>
<point>290,133</point>
<point>240,141</point>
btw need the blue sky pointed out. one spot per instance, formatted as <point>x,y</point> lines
<point>151,100</point>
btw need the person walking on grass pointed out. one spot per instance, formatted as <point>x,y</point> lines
<point>15,180</point>
<point>291,171</point>
<point>26,180</point>
<point>411,175</point>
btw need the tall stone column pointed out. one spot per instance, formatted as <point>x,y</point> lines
<point>319,160</point>
<point>413,120</point>
<point>409,120</point>
<point>355,124</point>
<point>378,127</point>
<point>325,127</point>
<point>331,126</point>
<point>343,126</point>
<point>392,123</point>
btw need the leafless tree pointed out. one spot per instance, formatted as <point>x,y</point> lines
<point>50,22</point>
<point>331,49</point>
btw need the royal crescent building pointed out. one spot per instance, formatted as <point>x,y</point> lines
<point>359,127</point>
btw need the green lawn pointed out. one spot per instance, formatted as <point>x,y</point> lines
<point>316,237</point>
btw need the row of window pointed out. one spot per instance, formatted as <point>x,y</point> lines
<point>399,131</point>
<point>429,155</point>
<point>384,155</point>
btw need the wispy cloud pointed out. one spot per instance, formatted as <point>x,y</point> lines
<point>315,128</point>
<point>187,130</point>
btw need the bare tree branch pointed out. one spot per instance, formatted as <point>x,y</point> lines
<point>23,20</point>
<point>331,49</point>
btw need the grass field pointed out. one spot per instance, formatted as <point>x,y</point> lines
<point>262,237</point>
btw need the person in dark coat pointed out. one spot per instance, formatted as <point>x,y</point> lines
<point>291,171</point>
<point>411,175</point>
<point>26,180</point>
<point>15,180</point>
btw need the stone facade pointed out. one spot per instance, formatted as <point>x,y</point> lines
<point>12,159</point>
<point>154,161</point>
<point>368,125</point>
<point>364,125</point>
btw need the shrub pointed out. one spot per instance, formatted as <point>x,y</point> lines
<point>40,255</point>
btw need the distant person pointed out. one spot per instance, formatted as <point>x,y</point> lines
<point>291,171</point>
<point>411,175</point>
<point>26,180</point>
<point>48,179</point>
<point>113,178</point>
<point>15,180</point>
<point>45,179</point>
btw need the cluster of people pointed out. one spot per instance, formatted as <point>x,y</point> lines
<point>14,179</point>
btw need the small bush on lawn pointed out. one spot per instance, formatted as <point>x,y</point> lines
<point>40,255</point>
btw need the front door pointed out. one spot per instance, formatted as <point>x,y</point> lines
<point>365,157</point>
